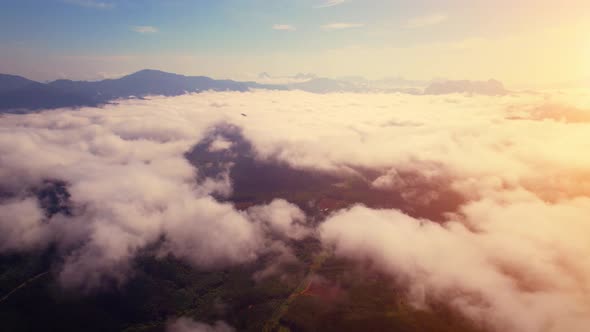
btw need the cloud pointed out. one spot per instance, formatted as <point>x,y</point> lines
<point>143,29</point>
<point>330,3</point>
<point>128,185</point>
<point>219,144</point>
<point>341,26</point>
<point>91,4</point>
<point>507,254</point>
<point>184,324</point>
<point>283,27</point>
<point>502,264</point>
<point>426,21</point>
<point>556,112</point>
<point>282,218</point>
<point>22,225</point>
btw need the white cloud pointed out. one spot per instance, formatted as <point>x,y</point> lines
<point>330,3</point>
<point>145,29</point>
<point>425,21</point>
<point>282,218</point>
<point>341,26</point>
<point>284,27</point>
<point>509,256</point>
<point>125,166</point>
<point>91,4</point>
<point>219,144</point>
<point>25,227</point>
<point>510,265</point>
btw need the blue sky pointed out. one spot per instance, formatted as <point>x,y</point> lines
<point>89,39</point>
<point>193,25</point>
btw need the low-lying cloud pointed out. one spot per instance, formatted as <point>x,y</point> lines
<point>129,186</point>
<point>511,256</point>
<point>511,266</point>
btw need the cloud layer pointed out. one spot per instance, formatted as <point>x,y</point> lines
<point>129,186</point>
<point>510,257</point>
<point>509,266</point>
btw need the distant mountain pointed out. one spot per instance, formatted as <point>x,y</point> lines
<point>41,96</point>
<point>313,83</point>
<point>20,94</point>
<point>148,82</point>
<point>266,78</point>
<point>269,86</point>
<point>349,84</point>
<point>305,76</point>
<point>385,84</point>
<point>490,87</point>
<point>325,85</point>
<point>11,82</point>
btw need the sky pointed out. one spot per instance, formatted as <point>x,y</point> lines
<point>522,43</point>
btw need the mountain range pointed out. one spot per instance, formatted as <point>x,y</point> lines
<point>18,94</point>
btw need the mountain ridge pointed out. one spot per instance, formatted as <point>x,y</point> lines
<point>20,95</point>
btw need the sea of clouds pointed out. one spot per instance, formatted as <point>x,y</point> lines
<point>512,257</point>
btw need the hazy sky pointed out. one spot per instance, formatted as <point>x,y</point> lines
<point>521,42</point>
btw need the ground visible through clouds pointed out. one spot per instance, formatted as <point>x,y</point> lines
<point>286,210</point>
